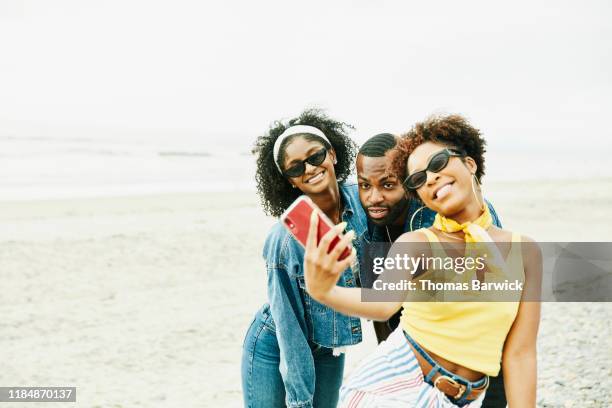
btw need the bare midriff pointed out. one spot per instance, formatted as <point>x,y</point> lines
<point>460,370</point>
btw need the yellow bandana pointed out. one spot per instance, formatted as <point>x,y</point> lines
<point>475,231</point>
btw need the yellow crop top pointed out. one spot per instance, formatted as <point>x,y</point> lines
<point>470,334</point>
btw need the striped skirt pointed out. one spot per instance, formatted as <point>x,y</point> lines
<point>392,377</point>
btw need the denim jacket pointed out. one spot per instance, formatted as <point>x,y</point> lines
<point>301,323</point>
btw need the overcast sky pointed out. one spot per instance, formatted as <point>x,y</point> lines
<point>529,69</point>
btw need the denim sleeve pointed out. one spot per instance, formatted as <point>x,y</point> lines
<point>296,361</point>
<point>496,220</point>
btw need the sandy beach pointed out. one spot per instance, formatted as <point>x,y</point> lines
<point>144,301</point>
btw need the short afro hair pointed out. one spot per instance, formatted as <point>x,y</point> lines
<point>274,190</point>
<point>378,146</point>
<point>450,130</point>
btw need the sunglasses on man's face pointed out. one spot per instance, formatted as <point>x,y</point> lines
<point>299,168</point>
<point>437,162</point>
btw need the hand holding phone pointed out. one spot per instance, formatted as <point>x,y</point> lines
<point>322,266</point>
<point>297,220</point>
<point>327,252</point>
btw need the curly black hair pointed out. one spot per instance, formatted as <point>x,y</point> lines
<point>275,191</point>
<point>449,130</point>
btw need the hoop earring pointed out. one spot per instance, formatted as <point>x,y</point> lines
<point>474,179</point>
<point>413,215</point>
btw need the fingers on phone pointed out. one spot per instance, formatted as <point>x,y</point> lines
<point>343,244</point>
<point>329,237</point>
<point>311,241</point>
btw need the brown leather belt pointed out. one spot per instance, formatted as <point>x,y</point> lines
<point>450,387</point>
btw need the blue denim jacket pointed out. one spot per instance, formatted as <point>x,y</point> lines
<point>302,324</point>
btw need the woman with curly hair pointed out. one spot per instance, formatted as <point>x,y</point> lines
<point>292,353</point>
<point>443,352</point>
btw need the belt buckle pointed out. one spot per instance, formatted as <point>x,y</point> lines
<point>454,383</point>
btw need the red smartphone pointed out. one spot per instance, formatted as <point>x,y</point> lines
<point>297,220</point>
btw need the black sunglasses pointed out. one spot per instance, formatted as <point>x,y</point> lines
<point>437,162</point>
<point>314,159</point>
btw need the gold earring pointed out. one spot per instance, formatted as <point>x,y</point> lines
<point>475,179</point>
<point>413,215</point>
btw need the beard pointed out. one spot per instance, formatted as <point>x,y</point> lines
<point>395,212</point>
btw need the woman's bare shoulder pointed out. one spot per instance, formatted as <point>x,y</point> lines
<point>530,247</point>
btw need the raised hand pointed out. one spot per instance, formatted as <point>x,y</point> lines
<point>322,269</point>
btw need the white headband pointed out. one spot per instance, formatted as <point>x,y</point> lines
<point>295,130</point>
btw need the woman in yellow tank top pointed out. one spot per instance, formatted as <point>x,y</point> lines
<point>444,351</point>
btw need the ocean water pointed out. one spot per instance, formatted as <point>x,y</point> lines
<point>66,167</point>
<point>56,167</point>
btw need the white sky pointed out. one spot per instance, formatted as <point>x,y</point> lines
<point>535,70</point>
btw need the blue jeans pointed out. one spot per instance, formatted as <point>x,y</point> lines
<point>262,384</point>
